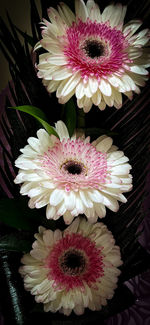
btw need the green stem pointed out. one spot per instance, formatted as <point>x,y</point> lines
<point>80,119</point>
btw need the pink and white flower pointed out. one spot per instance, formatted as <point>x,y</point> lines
<point>93,55</point>
<point>74,269</point>
<point>73,176</point>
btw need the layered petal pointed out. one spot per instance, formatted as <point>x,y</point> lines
<point>93,55</point>
<point>71,176</point>
<point>74,269</point>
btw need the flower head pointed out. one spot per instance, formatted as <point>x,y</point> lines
<point>93,55</point>
<point>74,269</point>
<point>73,176</point>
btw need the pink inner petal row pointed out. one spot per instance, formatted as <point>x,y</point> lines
<point>93,267</point>
<point>114,41</point>
<point>93,164</point>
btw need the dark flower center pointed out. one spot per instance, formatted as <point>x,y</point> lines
<point>72,262</point>
<point>94,49</point>
<point>73,167</point>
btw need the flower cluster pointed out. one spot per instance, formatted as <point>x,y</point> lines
<point>93,55</point>
<point>97,58</point>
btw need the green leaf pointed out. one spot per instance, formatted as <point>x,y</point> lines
<point>70,116</point>
<point>39,115</point>
<point>15,213</point>
<point>15,242</point>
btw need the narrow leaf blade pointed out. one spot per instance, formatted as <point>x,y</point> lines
<point>39,115</point>
<point>70,116</point>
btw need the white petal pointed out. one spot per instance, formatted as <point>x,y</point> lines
<point>120,170</point>
<point>47,184</point>
<point>57,60</point>
<point>69,15</point>
<point>87,104</point>
<point>115,81</point>
<point>117,15</point>
<point>28,151</point>
<point>96,196</point>
<point>53,14</point>
<point>108,100</point>
<point>25,188</point>
<point>105,88</point>
<point>111,203</point>
<point>61,74</point>
<point>102,137</point>
<point>104,145</point>
<point>93,11</point>
<point>138,69</point>
<point>80,102</point>
<point>64,99</point>
<point>113,148</point>
<point>79,205</point>
<point>37,46</point>
<point>50,45</point>
<point>93,84</point>
<point>131,27</point>
<point>130,85</point>
<point>102,105</point>
<point>107,13</point>
<point>69,200</point>
<point>57,235</point>
<point>38,254</point>
<point>96,98</point>
<point>90,213</point>
<point>134,53</point>
<point>115,155</point>
<point>138,79</point>
<point>61,209</point>
<point>141,42</point>
<point>73,227</point>
<point>79,310</point>
<point>66,311</point>
<point>50,212</point>
<point>56,197</point>
<point>57,20</point>
<point>23,177</point>
<point>52,86</point>
<point>62,131</point>
<point>25,164</point>
<point>120,161</point>
<point>80,90</point>
<point>117,98</point>
<point>69,84</point>
<point>81,10</point>
<point>36,191</point>
<point>41,201</point>
<point>34,143</point>
<point>84,197</point>
<point>48,237</point>
<point>43,137</point>
<point>68,217</point>
<point>100,210</point>
<point>87,90</point>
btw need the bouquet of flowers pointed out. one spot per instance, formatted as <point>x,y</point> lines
<point>75,153</point>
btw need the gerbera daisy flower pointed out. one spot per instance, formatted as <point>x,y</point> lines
<point>73,176</point>
<point>74,269</point>
<point>93,55</point>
